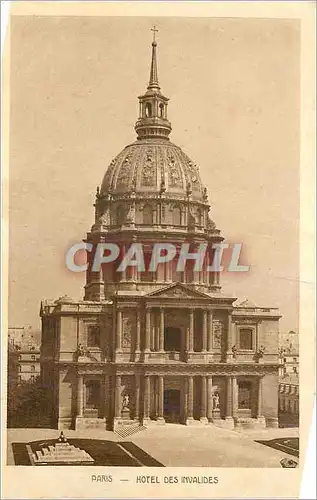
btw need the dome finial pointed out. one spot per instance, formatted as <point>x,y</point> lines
<point>153,82</point>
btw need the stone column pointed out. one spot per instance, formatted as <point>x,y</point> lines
<point>118,397</point>
<point>119,330</point>
<point>160,416</point>
<point>124,273</point>
<point>210,404</point>
<point>205,331</point>
<point>168,269</point>
<point>161,332</point>
<point>190,401</point>
<point>103,392</point>
<point>209,346</point>
<point>229,335</point>
<point>234,396</point>
<point>229,401</point>
<point>80,395</point>
<point>147,400</point>
<point>138,331</point>
<point>203,405</point>
<point>191,331</point>
<point>137,398</point>
<point>147,329</point>
<point>259,405</point>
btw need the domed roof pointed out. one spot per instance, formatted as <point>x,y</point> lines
<point>153,165</point>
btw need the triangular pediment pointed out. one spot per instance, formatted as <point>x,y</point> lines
<point>178,291</point>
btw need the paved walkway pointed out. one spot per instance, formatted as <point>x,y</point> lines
<point>180,446</point>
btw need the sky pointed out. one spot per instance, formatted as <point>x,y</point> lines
<point>234,103</point>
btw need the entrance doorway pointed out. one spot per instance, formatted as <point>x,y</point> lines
<point>172,339</point>
<point>92,400</point>
<point>172,405</point>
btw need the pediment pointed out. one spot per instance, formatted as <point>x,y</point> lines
<point>178,291</point>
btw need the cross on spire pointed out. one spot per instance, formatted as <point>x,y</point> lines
<point>155,30</point>
<point>153,83</point>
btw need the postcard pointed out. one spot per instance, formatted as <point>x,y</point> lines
<point>158,285</point>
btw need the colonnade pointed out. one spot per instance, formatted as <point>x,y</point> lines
<point>207,330</point>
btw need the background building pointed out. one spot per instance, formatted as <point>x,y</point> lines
<point>289,379</point>
<point>23,354</point>
<point>288,398</point>
<point>289,354</point>
<point>163,346</point>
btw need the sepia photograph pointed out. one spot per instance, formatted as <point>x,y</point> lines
<point>154,245</point>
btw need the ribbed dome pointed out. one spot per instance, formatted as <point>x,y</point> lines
<point>155,166</point>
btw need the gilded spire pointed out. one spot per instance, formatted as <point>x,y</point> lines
<point>153,82</point>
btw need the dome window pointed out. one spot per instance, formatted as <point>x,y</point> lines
<point>161,110</point>
<point>148,215</point>
<point>120,214</point>
<point>148,110</point>
<point>177,216</point>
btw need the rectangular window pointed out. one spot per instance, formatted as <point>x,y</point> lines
<point>93,336</point>
<point>245,339</point>
<point>244,395</point>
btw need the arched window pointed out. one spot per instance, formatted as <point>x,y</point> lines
<point>177,216</point>
<point>93,336</point>
<point>120,214</point>
<point>199,217</point>
<point>245,339</point>
<point>148,215</point>
<point>161,110</point>
<point>148,110</point>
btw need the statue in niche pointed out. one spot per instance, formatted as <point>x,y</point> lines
<point>216,400</point>
<point>131,213</point>
<point>104,220</point>
<point>125,402</point>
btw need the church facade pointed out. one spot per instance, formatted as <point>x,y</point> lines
<point>163,346</point>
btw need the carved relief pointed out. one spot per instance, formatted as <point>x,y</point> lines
<point>174,172</point>
<point>148,177</point>
<point>177,292</point>
<point>128,326</point>
<point>217,333</point>
<point>125,171</point>
<point>245,321</point>
<point>193,174</point>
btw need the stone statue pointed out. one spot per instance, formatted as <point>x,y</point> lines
<point>216,399</point>
<point>125,402</point>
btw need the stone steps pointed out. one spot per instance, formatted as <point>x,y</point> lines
<point>126,430</point>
